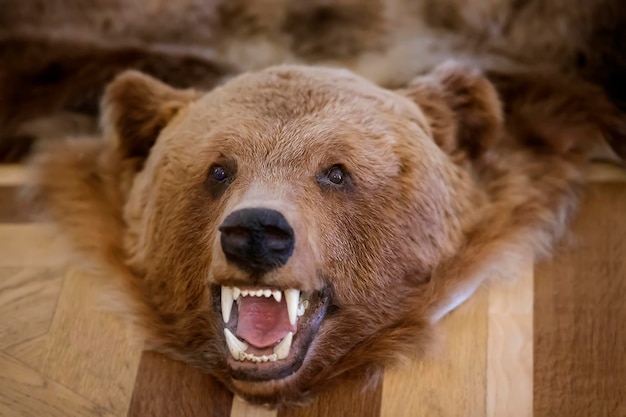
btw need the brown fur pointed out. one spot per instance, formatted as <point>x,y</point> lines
<point>82,45</point>
<point>443,194</point>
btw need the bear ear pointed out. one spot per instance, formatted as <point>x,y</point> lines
<point>136,107</point>
<point>462,108</point>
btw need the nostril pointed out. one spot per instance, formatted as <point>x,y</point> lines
<point>278,239</point>
<point>234,238</point>
<point>236,232</point>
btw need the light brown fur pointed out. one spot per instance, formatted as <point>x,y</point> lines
<point>445,190</point>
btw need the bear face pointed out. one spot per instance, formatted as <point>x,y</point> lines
<point>299,224</point>
<point>314,187</point>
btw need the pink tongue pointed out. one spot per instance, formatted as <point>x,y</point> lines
<point>262,321</point>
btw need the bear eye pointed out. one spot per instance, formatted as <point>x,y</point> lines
<point>219,173</point>
<point>335,175</point>
<point>335,178</point>
<point>219,176</point>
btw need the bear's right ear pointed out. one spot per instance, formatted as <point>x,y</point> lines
<point>136,107</point>
<point>462,108</point>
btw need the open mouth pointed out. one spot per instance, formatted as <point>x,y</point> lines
<point>268,330</point>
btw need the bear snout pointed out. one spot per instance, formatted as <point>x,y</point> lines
<point>257,240</point>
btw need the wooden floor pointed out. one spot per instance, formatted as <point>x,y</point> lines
<point>549,342</point>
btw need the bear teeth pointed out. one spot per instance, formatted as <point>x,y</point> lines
<point>227,303</point>
<point>295,305</point>
<point>282,349</point>
<point>237,349</point>
<point>292,296</point>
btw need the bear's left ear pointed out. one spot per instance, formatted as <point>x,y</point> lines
<point>136,107</point>
<point>462,108</point>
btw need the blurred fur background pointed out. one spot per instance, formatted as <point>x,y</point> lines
<point>57,55</point>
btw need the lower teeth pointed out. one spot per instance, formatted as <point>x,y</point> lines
<point>243,356</point>
<point>237,349</point>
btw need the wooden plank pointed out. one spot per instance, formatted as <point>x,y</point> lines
<point>166,388</point>
<point>580,342</point>
<point>91,351</point>
<point>353,398</point>
<point>31,352</point>
<point>243,409</point>
<point>605,172</point>
<point>510,346</point>
<point>26,393</point>
<point>452,383</point>
<point>12,174</point>
<point>31,245</point>
<point>28,298</point>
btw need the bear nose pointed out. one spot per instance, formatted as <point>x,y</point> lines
<point>257,239</point>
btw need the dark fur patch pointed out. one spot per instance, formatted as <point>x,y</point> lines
<point>336,29</point>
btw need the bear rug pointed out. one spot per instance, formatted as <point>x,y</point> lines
<point>297,225</point>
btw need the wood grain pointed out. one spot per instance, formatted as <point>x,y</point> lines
<point>580,311</point>
<point>510,346</point>
<point>26,393</point>
<point>452,383</point>
<point>30,352</point>
<point>28,298</point>
<point>89,350</point>
<point>31,245</point>
<point>167,388</point>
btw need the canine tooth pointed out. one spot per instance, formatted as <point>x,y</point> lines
<point>302,307</point>
<point>236,293</point>
<point>236,347</point>
<point>282,349</point>
<point>267,293</point>
<point>278,295</point>
<point>227,302</point>
<point>292,297</point>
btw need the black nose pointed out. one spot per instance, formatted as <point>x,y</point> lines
<point>257,239</point>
